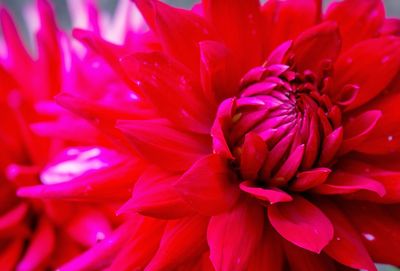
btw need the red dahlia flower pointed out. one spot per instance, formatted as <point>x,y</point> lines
<point>269,134</point>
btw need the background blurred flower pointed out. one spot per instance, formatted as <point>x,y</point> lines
<point>37,134</point>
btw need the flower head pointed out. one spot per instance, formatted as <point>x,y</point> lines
<point>265,137</point>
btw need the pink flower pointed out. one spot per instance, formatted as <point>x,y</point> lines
<point>36,134</point>
<point>265,136</point>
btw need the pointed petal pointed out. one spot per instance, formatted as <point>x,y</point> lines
<point>309,179</point>
<point>271,195</point>
<point>331,146</point>
<point>221,126</point>
<point>254,152</point>
<point>357,19</point>
<point>372,73</point>
<point>209,186</point>
<point>183,239</point>
<point>157,141</point>
<point>346,246</point>
<point>154,196</point>
<point>383,170</point>
<point>344,183</point>
<point>301,223</point>
<point>231,247</point>
<point>289,167</point>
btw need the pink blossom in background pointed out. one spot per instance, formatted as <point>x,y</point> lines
<point>233,136</point>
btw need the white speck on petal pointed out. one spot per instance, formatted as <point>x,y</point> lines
<point>369,236</point>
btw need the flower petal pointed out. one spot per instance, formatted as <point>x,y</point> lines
<point>357,19</point>
<point>171,88</point>
<point>183,239</point>
<point>331,146</point>
<point>301,223</point>
<point>315,46</point>
<point>271,195</point>
<point>102,254</point>
<point>83,173</point>
<point>88,226</point>
<point>154,196</point>
<point>136,253</point>
<point>233,236</point>
<point>209,186</point>
<point>384,138</point>
<point>357,129</point>
<point>269,254</point>
<point>391,26</point>
<point>309,179</point>
<point>11,254</point>
<point>304,260</point>
<point>218,75</point>
<point>370,72</point>
<point>222,124</point>
<point>179,30</point>
<point>157,141</point>
<point>285,20</point>
<point>345,183</point>
<point>254,152</point>
<point>383,170</point>
<point>244,17</point>
<point>379,226</point>
<point>40,247</point>
<point>346,246</point>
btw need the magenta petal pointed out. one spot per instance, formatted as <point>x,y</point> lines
<point>301,223</point>
<point>308,179</point>
<point>40,247</point>
<point>254,152</point>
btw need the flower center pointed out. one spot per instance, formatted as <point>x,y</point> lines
<point>283,124</point>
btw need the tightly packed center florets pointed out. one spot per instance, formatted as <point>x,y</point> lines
<point>284,124</point>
